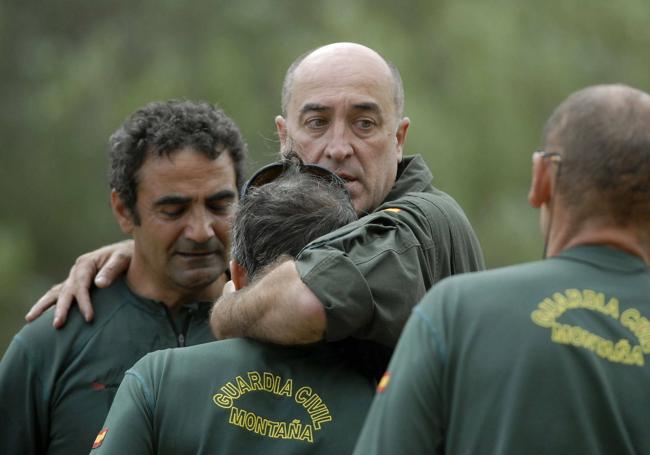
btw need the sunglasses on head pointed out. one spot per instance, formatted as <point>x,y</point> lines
<point>272,171</point>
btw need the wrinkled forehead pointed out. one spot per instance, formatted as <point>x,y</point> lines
<point>188,168</point>
<point>331,78</point>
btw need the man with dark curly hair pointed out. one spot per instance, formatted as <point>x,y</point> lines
<point>175,171</point>
<point>241,395</point>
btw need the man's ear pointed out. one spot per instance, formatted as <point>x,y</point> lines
<point>281,128</point>
<point>238,274</point>
<point>122,214</point>
<point>400,136</point>
<point>541,185</point>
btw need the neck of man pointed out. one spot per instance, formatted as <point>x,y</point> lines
<point>631,239</point>
<point>173,297</point>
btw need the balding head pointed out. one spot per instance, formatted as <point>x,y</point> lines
<point>342,110</point>
<point>346,57</point>
<point>603,136</point>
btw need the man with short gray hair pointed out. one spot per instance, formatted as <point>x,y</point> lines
<point>343,110</point>
<point>549,357</point>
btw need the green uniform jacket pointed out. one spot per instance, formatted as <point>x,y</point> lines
<point>56,386</point>
<point>371,273</point>
<point>541,358</point>
<point>238,397</point>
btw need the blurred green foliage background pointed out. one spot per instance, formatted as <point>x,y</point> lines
<point>480,77</point>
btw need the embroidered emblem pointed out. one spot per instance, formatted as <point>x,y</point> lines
<point>97,385</point>
<point>100,438</point>
<point>385,379</point>
<point>621,351</point>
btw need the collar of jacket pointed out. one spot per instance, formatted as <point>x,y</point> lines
<point>413,176</point>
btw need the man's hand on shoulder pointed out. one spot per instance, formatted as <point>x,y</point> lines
<point>103,265</point>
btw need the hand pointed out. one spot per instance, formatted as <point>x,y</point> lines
<point>104,265</point>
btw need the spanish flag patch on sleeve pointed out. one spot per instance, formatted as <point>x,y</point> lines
<point>385,379</point>
<point>392,209</point>
<point>100,438</point>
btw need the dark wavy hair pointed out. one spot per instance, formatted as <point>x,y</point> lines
<point>162,128</point>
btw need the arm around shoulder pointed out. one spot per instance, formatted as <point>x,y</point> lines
<point>278,308</point>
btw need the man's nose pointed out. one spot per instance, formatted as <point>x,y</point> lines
<point>199,227</point>
<point>339,146</point>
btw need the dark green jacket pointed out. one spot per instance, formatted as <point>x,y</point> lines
<point>371,273</point>
<point>56,386</point>
<point>550,357</point>
<point>238,397</point>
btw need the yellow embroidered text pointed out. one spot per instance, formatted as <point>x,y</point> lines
<point>265,427</point>
<point>305,396</point>
<point>549,309</point>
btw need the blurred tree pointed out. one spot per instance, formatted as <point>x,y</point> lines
<point>480,77</point>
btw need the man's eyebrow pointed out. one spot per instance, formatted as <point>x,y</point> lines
<point>364,106</point>
<point>180,200</point>
<point>368,106</point>
<point>314,107</point>
<point>172,200</point>
<point>220,195</point>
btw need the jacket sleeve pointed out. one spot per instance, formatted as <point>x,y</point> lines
<point>371,273</point>
<point>128,427</point>
<point>23,402</point>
